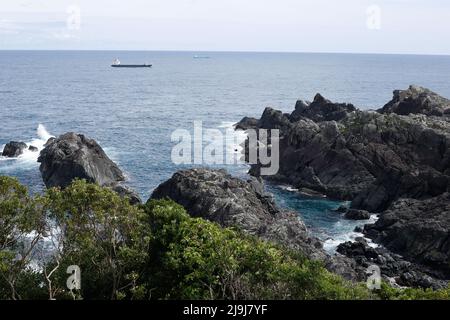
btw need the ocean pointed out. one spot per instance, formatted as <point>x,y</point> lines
<point>131,113</point>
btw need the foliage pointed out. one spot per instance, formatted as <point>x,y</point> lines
<point>153,251</point>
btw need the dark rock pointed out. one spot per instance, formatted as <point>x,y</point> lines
<point>353,214</point>
<point>33,149</point>
<point>367,157</point>
<point>321,109</point>
<point>246,123</point>
<point>14,149</point>
<point>416,100</point>
<point>419,230</point>
<point>392,266</point>
<point>374,159</point>
<point>359,229</point>
<point>73,156</point>
<point>217,196</point>
<point>127,192</point>
<point>341,209</point>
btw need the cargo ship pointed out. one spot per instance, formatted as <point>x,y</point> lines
<point>118,64</point>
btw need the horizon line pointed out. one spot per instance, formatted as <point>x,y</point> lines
<point>237,51</point>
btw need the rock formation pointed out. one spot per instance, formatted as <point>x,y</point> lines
<point>416,100</point>
<point>14,149</point>
<point>394,161</point>
<point>72,156</point>
<point>231,202</point>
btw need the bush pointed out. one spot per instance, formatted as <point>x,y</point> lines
<point>154,251</point>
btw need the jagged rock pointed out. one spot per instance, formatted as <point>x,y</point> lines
<point>392,266</point>
<point>417,100</point>
<point>373,159</point>
<point>33,149</point>
<point>14,149</point>
<point>73,156</point>
<point>217,196</point>
<point>367,157</point>
<point>353,214</point>
<point>419,230</point>
<point>246,123</point>
<point>321,109</point>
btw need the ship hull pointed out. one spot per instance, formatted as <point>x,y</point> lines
<point>131,66</point>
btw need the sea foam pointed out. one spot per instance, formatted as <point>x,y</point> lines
<point>28,159</point>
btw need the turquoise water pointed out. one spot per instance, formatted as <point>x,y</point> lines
<point>132,112</point>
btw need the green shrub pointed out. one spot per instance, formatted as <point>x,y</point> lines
<point>153,251</point>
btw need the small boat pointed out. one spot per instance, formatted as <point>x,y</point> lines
<point>118,64</point>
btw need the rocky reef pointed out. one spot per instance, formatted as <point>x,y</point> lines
<point>394,162</point>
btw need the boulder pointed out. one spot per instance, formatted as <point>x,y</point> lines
<point>14,149</point>
<point>341,209</point>
<point>353,214</point>
<point>33,149</point>
<point>73,156</point>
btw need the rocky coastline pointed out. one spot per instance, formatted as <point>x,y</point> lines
<point>393,162</point>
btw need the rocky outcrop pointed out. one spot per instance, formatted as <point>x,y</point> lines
<point>395,162</point>
<point>14,149</point>
<point>321,109</point>
<point>72,156</point>
<point>364,156</point>
<point>394,269</point>
<point>219,197</point>
<point>231,202</point>
<point>419,230</point>
<point>417,100</point>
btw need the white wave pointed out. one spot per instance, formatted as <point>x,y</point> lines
<point>28,159</point>
<point>288,188</point>
<point>331,244</point>
<point>227,124</point>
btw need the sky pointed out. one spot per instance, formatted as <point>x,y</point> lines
<point>353,26</point>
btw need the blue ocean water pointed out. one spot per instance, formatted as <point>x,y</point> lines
<point>132,112</point>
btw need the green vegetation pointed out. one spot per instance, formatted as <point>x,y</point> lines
<point>153,251</point>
